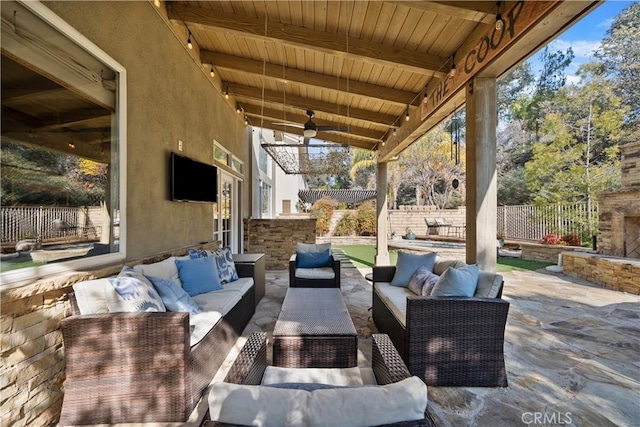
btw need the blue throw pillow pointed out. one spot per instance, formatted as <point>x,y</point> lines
<point>313,259</point>
<point>224,260</point>
<point>408,263</point>
<point>421,279</point>
<point>457,282</point>
<point>173,296</point>
<point>198,276</point>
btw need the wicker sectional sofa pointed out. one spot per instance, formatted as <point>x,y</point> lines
<point>145,366</point>
<point>446,341</point>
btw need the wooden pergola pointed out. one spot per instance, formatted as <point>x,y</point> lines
<point>376,75</point>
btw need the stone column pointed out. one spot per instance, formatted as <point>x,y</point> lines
<point>382,248</point>
<point>481,173</point>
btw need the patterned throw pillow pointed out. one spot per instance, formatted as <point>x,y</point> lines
<point>224,261</point>
<point>421,279</point>
<point>133,294</point>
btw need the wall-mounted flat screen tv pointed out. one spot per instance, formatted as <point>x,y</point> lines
<point>193,181</point>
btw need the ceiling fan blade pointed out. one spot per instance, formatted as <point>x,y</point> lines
<point>294,125</point>
<point>334,128</point>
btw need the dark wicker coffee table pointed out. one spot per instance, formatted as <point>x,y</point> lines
<point>314,330</point>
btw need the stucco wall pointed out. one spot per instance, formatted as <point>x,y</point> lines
<point>169,98</point>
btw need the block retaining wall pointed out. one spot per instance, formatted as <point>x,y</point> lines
<point>620,274</point>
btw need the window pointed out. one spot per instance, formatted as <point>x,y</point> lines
<point>265,200</point>
<point>63,135</point>
<point>236,164</point>
<point>220,154</point>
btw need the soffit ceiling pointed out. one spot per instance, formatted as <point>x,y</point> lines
<point>355,64</point>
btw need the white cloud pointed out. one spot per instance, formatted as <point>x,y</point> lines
<point>581,48</point>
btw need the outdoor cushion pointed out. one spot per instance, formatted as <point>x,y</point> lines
<point>242,285</point>
<point>259,405</point>
<point>199,275</point>
<point>221,301</point>
<point>315,273</point>
<point>395,297</point>
<point>173,296</point>
<point>334,376</point>
<point>488,285</point>
<point>423,276</point>
<point>165,269</point>
<point>313,259</point>
<point>224,262</point>
<point>90,295</point>
<point>133,295</point>
<point>312,247</point>
<point>457,282</point>
<point>408,263</point>
<point>442,264</point>
<point>200,324</point>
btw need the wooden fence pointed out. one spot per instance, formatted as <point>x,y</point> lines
<point>29,222</point>
<point>528,222</point>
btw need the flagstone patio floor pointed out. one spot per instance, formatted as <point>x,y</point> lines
<point>572,352</point>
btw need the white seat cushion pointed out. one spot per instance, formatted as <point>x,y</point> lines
<point>200,324</point>
<point>91,297</point>
<point>221,301</point>
<point>242,285</point>
<point>315,273</point>
<point>333,376</point>
<point>395,297</point>
<point>261,405</point>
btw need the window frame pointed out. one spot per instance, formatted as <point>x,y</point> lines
<point>120,136</point>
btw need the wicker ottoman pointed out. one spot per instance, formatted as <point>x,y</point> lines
<point>314,330</point>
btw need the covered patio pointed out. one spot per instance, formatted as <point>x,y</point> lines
<point>570,349</point>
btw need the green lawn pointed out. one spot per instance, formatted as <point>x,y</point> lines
<point>363,256</point>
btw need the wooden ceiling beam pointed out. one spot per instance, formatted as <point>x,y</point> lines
<point>275,116</point>
<point>307,78</point>
<point>324,136</point>
<point>292,35</point>
<point>469,11</point>
<point>312,104</point>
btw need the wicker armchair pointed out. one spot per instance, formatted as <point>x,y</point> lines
<point>250,365</point>
<point>301,282</point>
<point>447,341</point>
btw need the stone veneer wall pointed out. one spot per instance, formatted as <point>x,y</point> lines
<point>32,348</point>
<point>620,274</point>
<point>546,253</point>
<point>277,238</point>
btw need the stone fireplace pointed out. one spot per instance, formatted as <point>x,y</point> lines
<point>620,211</point>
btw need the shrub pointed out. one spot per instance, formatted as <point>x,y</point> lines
<point>366,219</point>
<point>322,210</point>
<point>346,226</point>
<point>572,239</point>
<point>551,239</point>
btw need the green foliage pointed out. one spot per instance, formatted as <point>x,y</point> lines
<point>363,168</point>
<point>512,187</point>
<point>347,225</point>
<point>619,54</point>
<point>322,210</point>
<point>366,219</point>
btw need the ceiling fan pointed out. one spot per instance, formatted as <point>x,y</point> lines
<point>311,129</point>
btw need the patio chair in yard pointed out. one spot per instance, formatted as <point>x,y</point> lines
<point>254,392</point>
<point>313,266</point>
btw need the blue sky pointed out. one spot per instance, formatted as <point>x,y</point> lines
<point>584,36</point>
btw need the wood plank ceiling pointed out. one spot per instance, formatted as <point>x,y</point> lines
<point>361,65</point>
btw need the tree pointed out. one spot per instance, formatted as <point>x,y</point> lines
<point>363,168</point>
<point>619,54</point>
<point>577,157</point>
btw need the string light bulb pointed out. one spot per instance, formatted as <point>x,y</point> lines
<point>452,72</point>
<point>71,145</point>
<point>156,3</point>
<point>246,120</point>
<point>212,73</point>
<point>499,20</point>
<point>226,93</point>
<point>238,109</point>
<point>189,44</point>
<point>406,118</point>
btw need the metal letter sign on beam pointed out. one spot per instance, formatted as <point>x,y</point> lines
<point>518,20</point>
